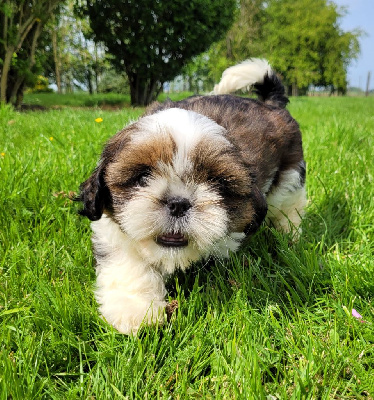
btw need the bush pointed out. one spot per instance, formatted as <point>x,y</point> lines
<point>111,81</point>
<point>41,86</point>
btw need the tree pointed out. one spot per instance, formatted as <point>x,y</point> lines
<point>242,41</point>
<point>76,59</point>
<point>197,74</point>
<point>304,42</point>
<point>152,39</point>
<point>21,23</point>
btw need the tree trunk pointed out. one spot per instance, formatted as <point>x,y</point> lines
<point>89,80</point>
<point>4,74</point>
<point>367,85</point>
<point>96,69</point>
<point>15,89</point>
<point>14,82</point>
<point>19,95</point>
<point>17,24</point>
<point>69,88</point>
<point>142,92</point>
<point>57,61</point>
<point>151,92</point>
<point>295,90</point>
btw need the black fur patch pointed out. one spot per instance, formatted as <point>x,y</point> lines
<point>261,208</point>
<point>302,171</point>
<point>271,91</point>
<point>95,195</point>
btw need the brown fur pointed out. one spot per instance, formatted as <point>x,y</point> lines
<point>266,141</point>
<point>176,187</point>
<point>268,138</point>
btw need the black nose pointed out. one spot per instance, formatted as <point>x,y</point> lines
<point>178,206</point>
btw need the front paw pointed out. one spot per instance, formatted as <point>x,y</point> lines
<point>132,312</point>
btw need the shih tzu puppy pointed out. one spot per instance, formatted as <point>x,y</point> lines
<point>188,180</point>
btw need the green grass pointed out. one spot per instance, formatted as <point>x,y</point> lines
<point>273,322</point>
<point>83,99</point>
<point>80,99</point>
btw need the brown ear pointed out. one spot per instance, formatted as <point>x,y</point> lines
<point>95,195</point>
<point>260,207</point>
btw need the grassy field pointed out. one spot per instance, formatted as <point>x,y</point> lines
<point>273,322</point>
<point>108,100</point>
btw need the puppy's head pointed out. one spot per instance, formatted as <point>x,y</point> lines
<point>176,187</point>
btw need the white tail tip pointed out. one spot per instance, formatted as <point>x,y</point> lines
<point>243,76</point>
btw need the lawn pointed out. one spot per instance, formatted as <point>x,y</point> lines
<point>273,322</point>
<point>82,99</point>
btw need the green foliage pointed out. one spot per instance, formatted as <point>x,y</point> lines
<point>302,40</point>
<point>198,74</point>
<point>273,321</point>
<point>242,41</point>
<point>75,60</point>
<point>112,81</point>
<point>152,40</point>
<point>41,85</point>
<point>305,43</point>
<point>21,25</point>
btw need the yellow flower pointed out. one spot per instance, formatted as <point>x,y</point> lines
<point>51,138</point>
<point>2,154</point>
<point>99,120</point>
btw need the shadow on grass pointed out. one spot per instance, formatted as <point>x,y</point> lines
<point>328,221</point>
<point>270,268</point>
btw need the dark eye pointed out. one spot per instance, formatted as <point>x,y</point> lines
<point>139,177</point>
<point>224,185</point>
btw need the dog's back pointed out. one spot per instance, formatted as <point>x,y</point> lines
<point>265,133</point>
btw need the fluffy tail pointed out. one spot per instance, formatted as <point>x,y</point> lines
<point>256,73</point>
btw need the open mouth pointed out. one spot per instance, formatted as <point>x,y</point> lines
<point>172,240</point>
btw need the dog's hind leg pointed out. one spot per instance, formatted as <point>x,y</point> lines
<point>286,202</point>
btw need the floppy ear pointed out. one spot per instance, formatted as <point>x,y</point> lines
<point>94,194</point>
<point>260,207</point>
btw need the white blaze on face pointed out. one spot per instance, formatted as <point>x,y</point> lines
<point>186,128</point>
<point>145,215</point>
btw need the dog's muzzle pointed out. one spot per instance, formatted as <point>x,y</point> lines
<point>177,208</point>
<point>172,240</point>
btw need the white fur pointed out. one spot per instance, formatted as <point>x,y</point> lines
<point>286,203</point>
<point>186,128</point>
<point>131,265</point>
<point>129,291</point>
<point>130,274</point>
<point>205,223</point>
<point>243,76</point>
